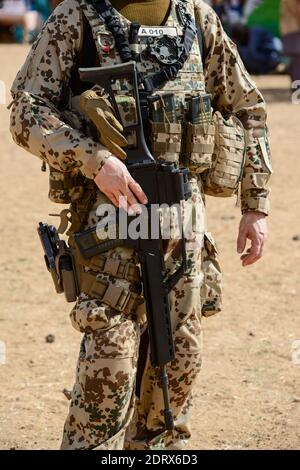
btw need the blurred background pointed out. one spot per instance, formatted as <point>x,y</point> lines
<point>258,27</point>
<point>248,396</point>
<point>253,24</point>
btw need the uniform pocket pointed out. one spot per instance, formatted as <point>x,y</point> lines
<point>65,188</point>
<point>89,315</point>
<point>211,289</point>
<point>228,159</point>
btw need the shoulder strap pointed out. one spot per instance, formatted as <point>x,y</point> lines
<point>167,72</point>
<point>200,41</point>
<point>87,57</point>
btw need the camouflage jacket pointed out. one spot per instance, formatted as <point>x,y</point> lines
<point>39,125</point>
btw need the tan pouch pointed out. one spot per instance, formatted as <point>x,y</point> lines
<point>211,290</point>
<point>199,146</point>
<point>65,188</point>
<point>228,159</point>
<point>166,141</point>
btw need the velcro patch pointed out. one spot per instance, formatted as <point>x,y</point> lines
<point>158,31</point>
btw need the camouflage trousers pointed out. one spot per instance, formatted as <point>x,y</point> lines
<point>117,400</point>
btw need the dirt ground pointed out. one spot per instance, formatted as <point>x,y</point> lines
<point>248,395</point>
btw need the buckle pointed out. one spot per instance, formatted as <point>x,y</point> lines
<point>126,274</point>
<point>131,272</point>
<point>169,72</point>
<point>148,84</point>
<point>116,297</point>
<point>111,266</point>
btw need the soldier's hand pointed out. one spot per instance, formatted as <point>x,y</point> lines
<point>115,181</point>
<point>253,226</point>
<point>101,113</point>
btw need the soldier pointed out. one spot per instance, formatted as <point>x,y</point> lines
<point>116,396</point>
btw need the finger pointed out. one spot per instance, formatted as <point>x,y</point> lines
<point>132,204</point>
<point>248,261</point>
<point>245,254</point>
<point>241,241</point>
<point>113,148</point>
<point>91,100</point>
<point>137,191</point>
<point>114,121</point>
<point>253,259</point>
<point>109,126</point>
<point>254,253</point>
<point>112,198</point>
<point>123,203</point>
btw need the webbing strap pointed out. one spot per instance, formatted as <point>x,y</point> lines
<point>165,127</point>
<point>169,147</point>
<point>107,265</point>
<point>117,297</point>
<point>158,79</point>
<point>199,147</point>
<point>113,24</point>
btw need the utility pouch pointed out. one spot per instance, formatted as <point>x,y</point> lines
<point>65,188</point>
<point>166,141</point>
<point>199,146</point>
<point>211,289</point>
<point>199,134</point>
<point>165,131</point>
<point>228,159</point>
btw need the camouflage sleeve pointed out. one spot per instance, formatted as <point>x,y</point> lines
<point>37,124</point>
<point>234,92</point>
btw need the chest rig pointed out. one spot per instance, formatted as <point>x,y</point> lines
<point>176,110</point>
<point>170,68</point>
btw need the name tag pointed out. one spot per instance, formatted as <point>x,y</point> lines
<point>158,31</point>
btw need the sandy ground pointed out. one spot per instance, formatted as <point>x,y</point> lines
<point>248,396</point>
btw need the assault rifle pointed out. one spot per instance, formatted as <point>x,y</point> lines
<point>163,183</point>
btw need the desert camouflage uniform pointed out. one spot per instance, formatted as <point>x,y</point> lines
<point>103,406</point>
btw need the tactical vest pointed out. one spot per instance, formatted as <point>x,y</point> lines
<point>181,127</point>
<point>181,130</point>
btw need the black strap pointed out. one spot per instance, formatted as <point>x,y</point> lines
<point>202,47</point>
<point>200,41</point>
<point>113,24</point>
<point>157,80</point>
<point>87,57</point>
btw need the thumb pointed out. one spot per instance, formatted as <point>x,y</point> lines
<point>113,147</point>
<point>242,240</point>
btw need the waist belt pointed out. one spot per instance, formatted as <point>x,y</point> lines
<point>114,267</point>
<point>117,297</point>
<point>107,265</point>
